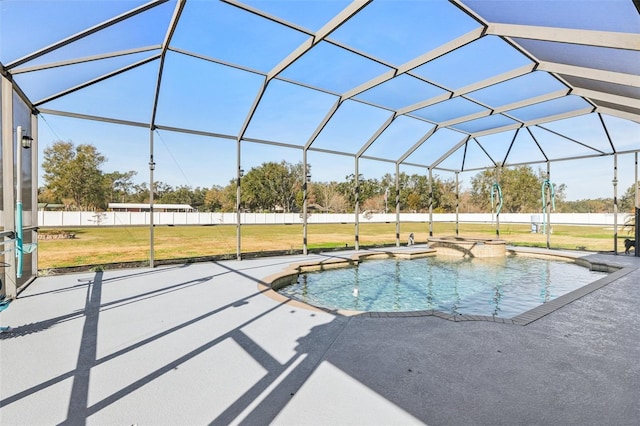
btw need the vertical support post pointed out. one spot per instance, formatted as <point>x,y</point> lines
<point>637,236</point>
<point>430,203</point>
<point>548,205</point>
<point>34,191</point>
<point>397,179</point>
<point>357,204</point>
<point>498,170</point>
<point>9,288</point>
<point>637,210</point>
<point>457,203</point>
<point>238,197</point>
<point>152,167</point>
<point>18,227</point>
<point>305,181</point>
<point>615,203</point>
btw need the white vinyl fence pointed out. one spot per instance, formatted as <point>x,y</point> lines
<point>60,218</point>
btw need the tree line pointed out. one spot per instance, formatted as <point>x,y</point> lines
<point>73,177</point>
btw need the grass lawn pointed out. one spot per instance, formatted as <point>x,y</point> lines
<point>104,245</point>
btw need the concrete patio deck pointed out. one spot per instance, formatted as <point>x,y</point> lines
<point>200,344</point>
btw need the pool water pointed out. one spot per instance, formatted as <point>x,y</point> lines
<point>504,287</point>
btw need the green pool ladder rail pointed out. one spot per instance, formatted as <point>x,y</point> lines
<point>547,184</point>
<point>496,191</point>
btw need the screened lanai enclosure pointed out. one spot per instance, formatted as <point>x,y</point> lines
<point>349,87</point>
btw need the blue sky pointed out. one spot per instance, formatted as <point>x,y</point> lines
<point>213,97</point>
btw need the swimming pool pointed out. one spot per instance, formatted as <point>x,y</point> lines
<point>501,287</point>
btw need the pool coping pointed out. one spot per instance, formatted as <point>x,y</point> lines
<point>272,283</point>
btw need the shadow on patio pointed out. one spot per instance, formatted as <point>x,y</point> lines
<point>199,344</point>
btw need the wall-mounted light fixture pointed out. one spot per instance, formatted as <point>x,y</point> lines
<point>26,141</point>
